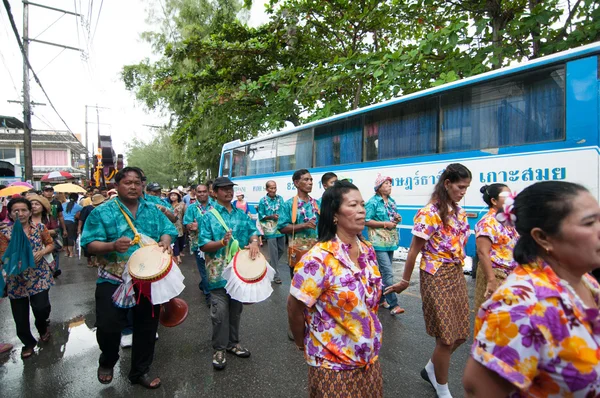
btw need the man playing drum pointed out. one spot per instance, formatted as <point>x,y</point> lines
<point>191,221</point>
<point>269,208</point>
<point>223,231</point>
<point>108,235</point>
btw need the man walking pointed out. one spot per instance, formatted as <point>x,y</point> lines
<point>268,216</point>
<point>220,228</point>
<point>108,234</point>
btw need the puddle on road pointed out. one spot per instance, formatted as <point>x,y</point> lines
<point>80,338</point>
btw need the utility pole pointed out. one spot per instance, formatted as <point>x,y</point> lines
<point>26,100</point>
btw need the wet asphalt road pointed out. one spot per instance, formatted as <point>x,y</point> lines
<point>66,366</point>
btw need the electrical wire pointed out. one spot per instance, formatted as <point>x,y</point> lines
<point>97,22</point>
<point>26,58</point>
<point>49,26</point>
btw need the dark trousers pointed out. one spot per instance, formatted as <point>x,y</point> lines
<point>201,264</point>
<point>40,305</point>
<point>178,245</point>
<point>225,314</point>
<point>111,320</point>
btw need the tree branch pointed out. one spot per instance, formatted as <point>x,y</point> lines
<point>563,32</point>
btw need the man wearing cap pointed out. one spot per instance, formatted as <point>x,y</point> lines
<point>95,201</point>
<point>153,191</point>
<point>269,208</point>
<point>215,240</point>
<point>302,232</point>
<point>191,221</point>
<point>108,234</point>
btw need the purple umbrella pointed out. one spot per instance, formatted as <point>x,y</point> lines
<point>20,184</point>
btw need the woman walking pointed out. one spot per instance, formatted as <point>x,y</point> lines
<point>539,333</point>
<point>71,214</point>
<point>381,221</point>
<point>495,244</point>
<point>333,302</point>
<point>179,212</point>
<point>30,288</point>
<point>440,233</point>
<point>41,214</point>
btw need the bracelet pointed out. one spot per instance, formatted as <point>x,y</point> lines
<point>254,240</point>
<point>404,280</point>
<point>222,242</point>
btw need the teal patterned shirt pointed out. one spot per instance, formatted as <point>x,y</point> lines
<point>157,201</point>
<point>267,207</point>
<point>194,212</point>
<point>380,238</point>
<point>242,226</point>
<point>106,223</point>
<point>306,211</point>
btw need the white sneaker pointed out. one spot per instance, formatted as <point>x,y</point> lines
<point>156,336</point>
<point>126,340</point>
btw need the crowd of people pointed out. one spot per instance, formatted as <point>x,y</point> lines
<point>537,329</point>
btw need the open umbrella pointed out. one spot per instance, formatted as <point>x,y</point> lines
<point>57,176</point>
<point>12,190</point>
<point>68,188</point>
<point>21,184</point>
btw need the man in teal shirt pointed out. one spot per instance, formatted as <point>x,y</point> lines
<point>108,235</point>
<point>269,208</point>
<point>152,195</point>
<point>214,240</point>
<point>191,221</point>
<point>302,232</point>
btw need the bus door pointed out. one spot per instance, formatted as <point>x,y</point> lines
<point>225,164</point>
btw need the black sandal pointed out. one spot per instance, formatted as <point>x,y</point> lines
<point>146,381</point>
<point>105,372</point>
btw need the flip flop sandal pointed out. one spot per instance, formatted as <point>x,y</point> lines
<point>26,352</point>
<point>146,381</point>
<point>105,372</point>
<point>46,336</point>
<point>397,311</point>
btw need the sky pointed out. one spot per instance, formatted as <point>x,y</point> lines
<point>109,32</point>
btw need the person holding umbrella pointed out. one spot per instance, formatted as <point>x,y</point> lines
<point>31,244</point>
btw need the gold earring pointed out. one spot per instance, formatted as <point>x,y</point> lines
<point>335,221</point>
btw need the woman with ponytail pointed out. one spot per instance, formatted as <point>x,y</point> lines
<point>440,233</point>
<point>71,211</point>
<point>539,334</point>
<point>495,244</point>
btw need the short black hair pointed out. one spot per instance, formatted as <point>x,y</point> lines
<point>542,205</point>
<point>121,173</point>
<point>330,204</point>
<point>14,201</point>
<point>209,183</point>
<point>298,174</point>
<point>103,188</point>
<point>491,192</point>
<point>326,177</point>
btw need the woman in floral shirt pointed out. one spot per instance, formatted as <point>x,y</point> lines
<point>495,244</point>
<point>440,233</point>
<point>31,287</point>
<point>334,299</point>
<point>539,335</point>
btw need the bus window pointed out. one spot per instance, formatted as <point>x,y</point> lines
<point>405,129</point>
<point>294,151</point>
<point>239,162</point>
<point>261,157</point>
<point>512,111</point>
<point>226,164</point>
<point>339,143</point>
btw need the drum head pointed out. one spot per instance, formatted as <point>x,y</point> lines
<point>247,268</point>
<point>148,262</point>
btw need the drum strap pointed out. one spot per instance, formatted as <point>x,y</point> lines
<point>137,239</point>
<point>233,246</point>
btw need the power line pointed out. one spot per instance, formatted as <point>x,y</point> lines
<point>9,74</point>
<point>97,21</point>
<point>35,76</point>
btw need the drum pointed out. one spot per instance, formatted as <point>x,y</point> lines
<point>154,273</point>
<point>248,281</point>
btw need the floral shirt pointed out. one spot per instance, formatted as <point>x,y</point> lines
<point>267,207</point>
<point>33,280</point>
<point>504,238</point>
<point>307,211</point>
<point>242,226</point>
<point>179,212</point>
<point>342,297</point>
<point>536,333</point>
<point>377,210</point>
<point>106,223</point>
<point>194,212</point>
<point>445,243</point>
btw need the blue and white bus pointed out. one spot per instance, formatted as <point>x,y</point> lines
<point>530,122</point>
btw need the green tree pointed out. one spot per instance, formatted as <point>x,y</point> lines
<point>223,80</point>
<point>161,161</point>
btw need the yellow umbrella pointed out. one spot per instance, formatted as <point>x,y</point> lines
<point>68,188</point>
<point>14,189</point>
